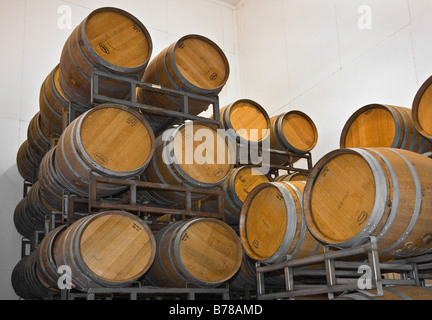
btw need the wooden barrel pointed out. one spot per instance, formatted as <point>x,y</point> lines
<point>52,103</point>
<point>31,211</point>
<point>27,162</point>
<point>294,131</point>
<point>204,252</point>
<point>25,224</point>
<point>109,39</point>
<point>353,194</point>
<point>46,266</point>
<point>391,293</point>
<point>272,224</point>
<point>38,137</point>
<point>246,122</point>
<point>50,187</point>
<point>193,64</point>
<point>422,110</point>
<point>296,176</point>
<point>183,158</point>
<point>109,249</point>
<point>378,125</point>
<point>240,182</point>
<point>26,281</point>
<point>109,140</point>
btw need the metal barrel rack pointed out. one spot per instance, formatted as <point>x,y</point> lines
<point>341,271</point>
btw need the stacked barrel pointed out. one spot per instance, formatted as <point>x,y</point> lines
<point>111,248</point>
<point>377,185</point>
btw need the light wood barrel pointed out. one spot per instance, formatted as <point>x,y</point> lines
<point>353,194</point>
<point>46,266</point>
<point>26,282</point>
<point>109,140</point>
<point>109,249</point>
<point>236,188</point>
<point>392,293</point>
<point>378,125</point>
<point>297,176</point>
<point>109,39</point>
<point>193,64</point>
<point>247,121</point>
<point>422,110</point>
<point>52,103</point>
<point>184,158</point>
<point>272,224</point>
<point>203,252</point>
<point>294,131</point>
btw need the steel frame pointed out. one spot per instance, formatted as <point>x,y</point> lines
<point>182,114</point>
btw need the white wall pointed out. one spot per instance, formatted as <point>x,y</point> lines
<point>32,42</point>
<point>311,55</point>
<point>308,55</point>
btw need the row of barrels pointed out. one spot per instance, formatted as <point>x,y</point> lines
<point>113,249</point>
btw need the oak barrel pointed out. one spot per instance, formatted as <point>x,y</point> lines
<point>194,155</point>
<point>247,121</point>
<point>26,282</point>
<point>109,140</point>
<point>272,224</point>
<point>353,194</point>
<point>46,266</point>
<point>378,125</point>
<point>294,131</point>
<point>240,182</point>
<point>204,252</point>
<point>50,187</point>
<point>422,110</point>
<point>52,103</point>
<point>392,293</point>
<point>109,39</point>
<point>27,162</point>
<point>38,137</point>
<point>109,249</point>
<point>193,64</point>
<point>296,176</point>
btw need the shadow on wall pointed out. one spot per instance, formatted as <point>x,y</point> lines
<point>11,193</point>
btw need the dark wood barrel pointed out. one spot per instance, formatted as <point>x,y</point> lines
<point>272,224</point>
<point>52,103</point>
<point>27,162</point>
<point>45,263</point>
<point>31,211</point>
<point>50,187</point>
<point>178,160</point>
<point>109,140</point>
<point>422,110</point>
<point>38,137</point>
<point>26,282</point>
<point>193,64</point>
<point>378,125</point>
<point>246,121</point>
<point>106,250</point>
<point>240,182</point>
<point>391,293</point>
<point>203,252</point>
<point>353,194</point>
<point>109,39</point>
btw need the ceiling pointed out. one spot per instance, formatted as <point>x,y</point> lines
<point>234,3</point>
